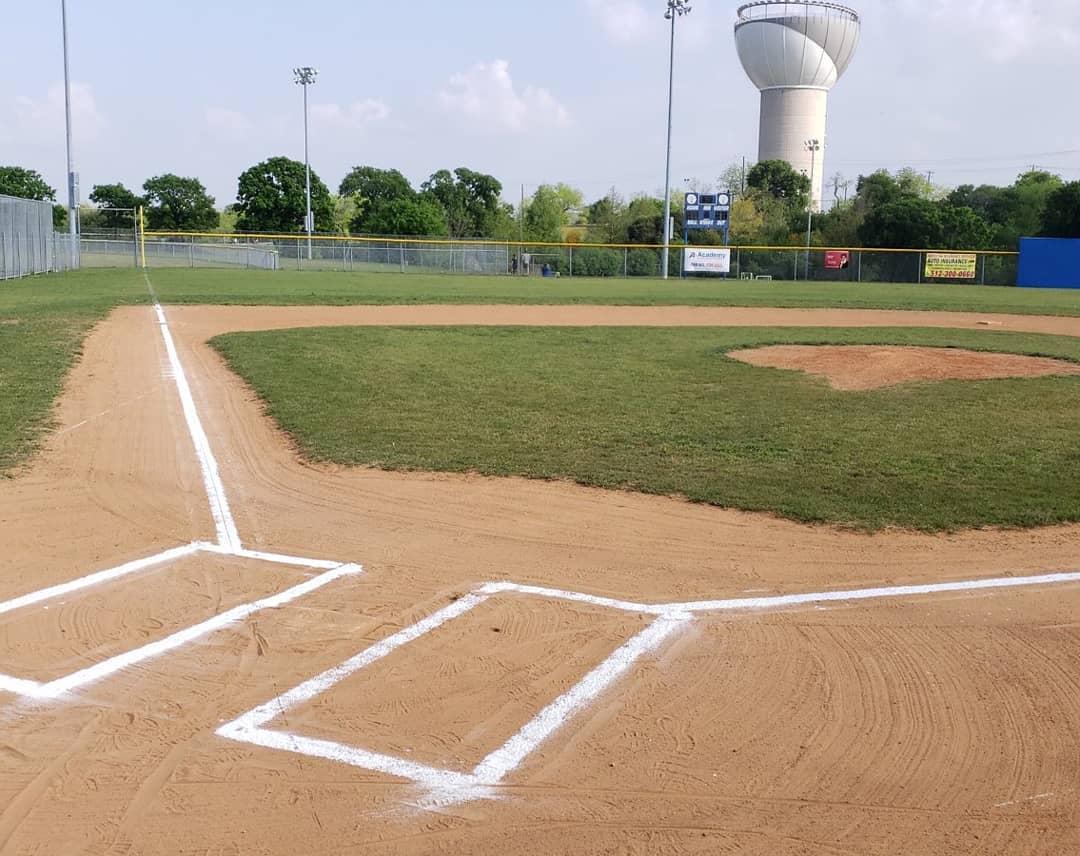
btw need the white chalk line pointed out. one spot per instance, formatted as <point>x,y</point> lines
<point>504,760</point>
<point>319,684</point>
<point>449,786</point>
<point>99,578</point>
<point>215,490</point>
<point>83,677</point>
<point>783,600</point>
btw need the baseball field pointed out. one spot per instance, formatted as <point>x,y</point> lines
<point>331,563</point>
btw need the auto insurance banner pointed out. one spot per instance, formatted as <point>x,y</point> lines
<point>701,260</point>
<point>951,265</point>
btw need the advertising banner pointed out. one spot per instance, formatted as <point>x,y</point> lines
<point>706,260</point>
<point>837,259</point>
<point>951,265</point>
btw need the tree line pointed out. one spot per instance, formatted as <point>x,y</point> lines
<point>898,210</point>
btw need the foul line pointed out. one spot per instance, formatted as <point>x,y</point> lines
<point>215,490</point>
<point>780,601</point>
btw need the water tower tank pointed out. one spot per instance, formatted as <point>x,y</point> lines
<point>794,53</point>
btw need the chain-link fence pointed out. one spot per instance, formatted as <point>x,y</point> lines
<point>109,252</point>
<point>479,257</point>
<point>28,242</point>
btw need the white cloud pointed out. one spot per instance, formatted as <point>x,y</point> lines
<point>623,20</point>
<point>354,115</point>
<point>43,118</point>
<point>228,123</point>
<point>486,93</point>
<point>1004,29</point>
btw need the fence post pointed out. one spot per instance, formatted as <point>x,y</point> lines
<point>982,277</point>
<point>571,261</point>
<point>625,263</point>
<point>918,272</point>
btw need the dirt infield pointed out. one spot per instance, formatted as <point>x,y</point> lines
<point>861,367</point>
<point>946,723</point>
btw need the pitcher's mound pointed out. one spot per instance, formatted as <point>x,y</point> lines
<point>860,367</point>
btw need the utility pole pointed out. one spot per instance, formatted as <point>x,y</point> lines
<point>305,77</point>
<point>73,179</point>
<point>676,9</point>
<point>812,146</point>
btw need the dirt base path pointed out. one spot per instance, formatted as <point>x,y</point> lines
<point>919,725</point>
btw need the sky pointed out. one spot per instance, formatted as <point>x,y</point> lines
<point>973,91</point>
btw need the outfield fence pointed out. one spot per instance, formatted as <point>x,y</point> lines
<point>111,252</point>
<point>28,242</point>
<point>494,258</point>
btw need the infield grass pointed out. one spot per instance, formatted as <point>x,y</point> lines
<point>666,411</point>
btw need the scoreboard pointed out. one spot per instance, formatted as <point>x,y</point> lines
<point>708,211</point>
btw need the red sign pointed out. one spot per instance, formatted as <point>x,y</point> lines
<point>837,259</point>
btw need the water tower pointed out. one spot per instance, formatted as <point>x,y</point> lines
<point>794,53</point>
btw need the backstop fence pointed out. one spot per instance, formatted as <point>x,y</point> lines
<point>28,242</point>
<point>482,257</point>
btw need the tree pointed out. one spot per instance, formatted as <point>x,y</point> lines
<point>551,208</point>
<point>544,215</point>
<point>1061,217</point>
<point>272,198</point>
<point>366,187</point>
<point>176,204</point>
<point>605,219</point>
<point>470,200</point>
<point>111,197</point>
<point>732,179</point>
<point>907,222</point>
<point>781,181</point>
<point>373,185</point>
<point>345,210</point>
<point>417,216</point>
<point>25,183</point>
<point>963,229</point>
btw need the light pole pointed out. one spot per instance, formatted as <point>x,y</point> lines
<point>812,146</point>
<point>73,181</point>
<point>675,10</point>
<point>305,77</point>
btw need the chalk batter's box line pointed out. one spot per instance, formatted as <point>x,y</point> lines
<point>446,786</point>
<point>332,571</point>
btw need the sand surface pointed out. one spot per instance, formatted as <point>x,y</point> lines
<point>936,725</point>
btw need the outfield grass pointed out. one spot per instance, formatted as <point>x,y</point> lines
<point>665,411</point>
<point>338,288</point>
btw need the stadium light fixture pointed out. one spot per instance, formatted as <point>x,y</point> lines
<point>73,180</point>
<point>305,77</point>
<point>675,10</point>
<point>812,146</point>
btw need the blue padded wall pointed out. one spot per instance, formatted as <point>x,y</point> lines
<point>1049,263</point>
